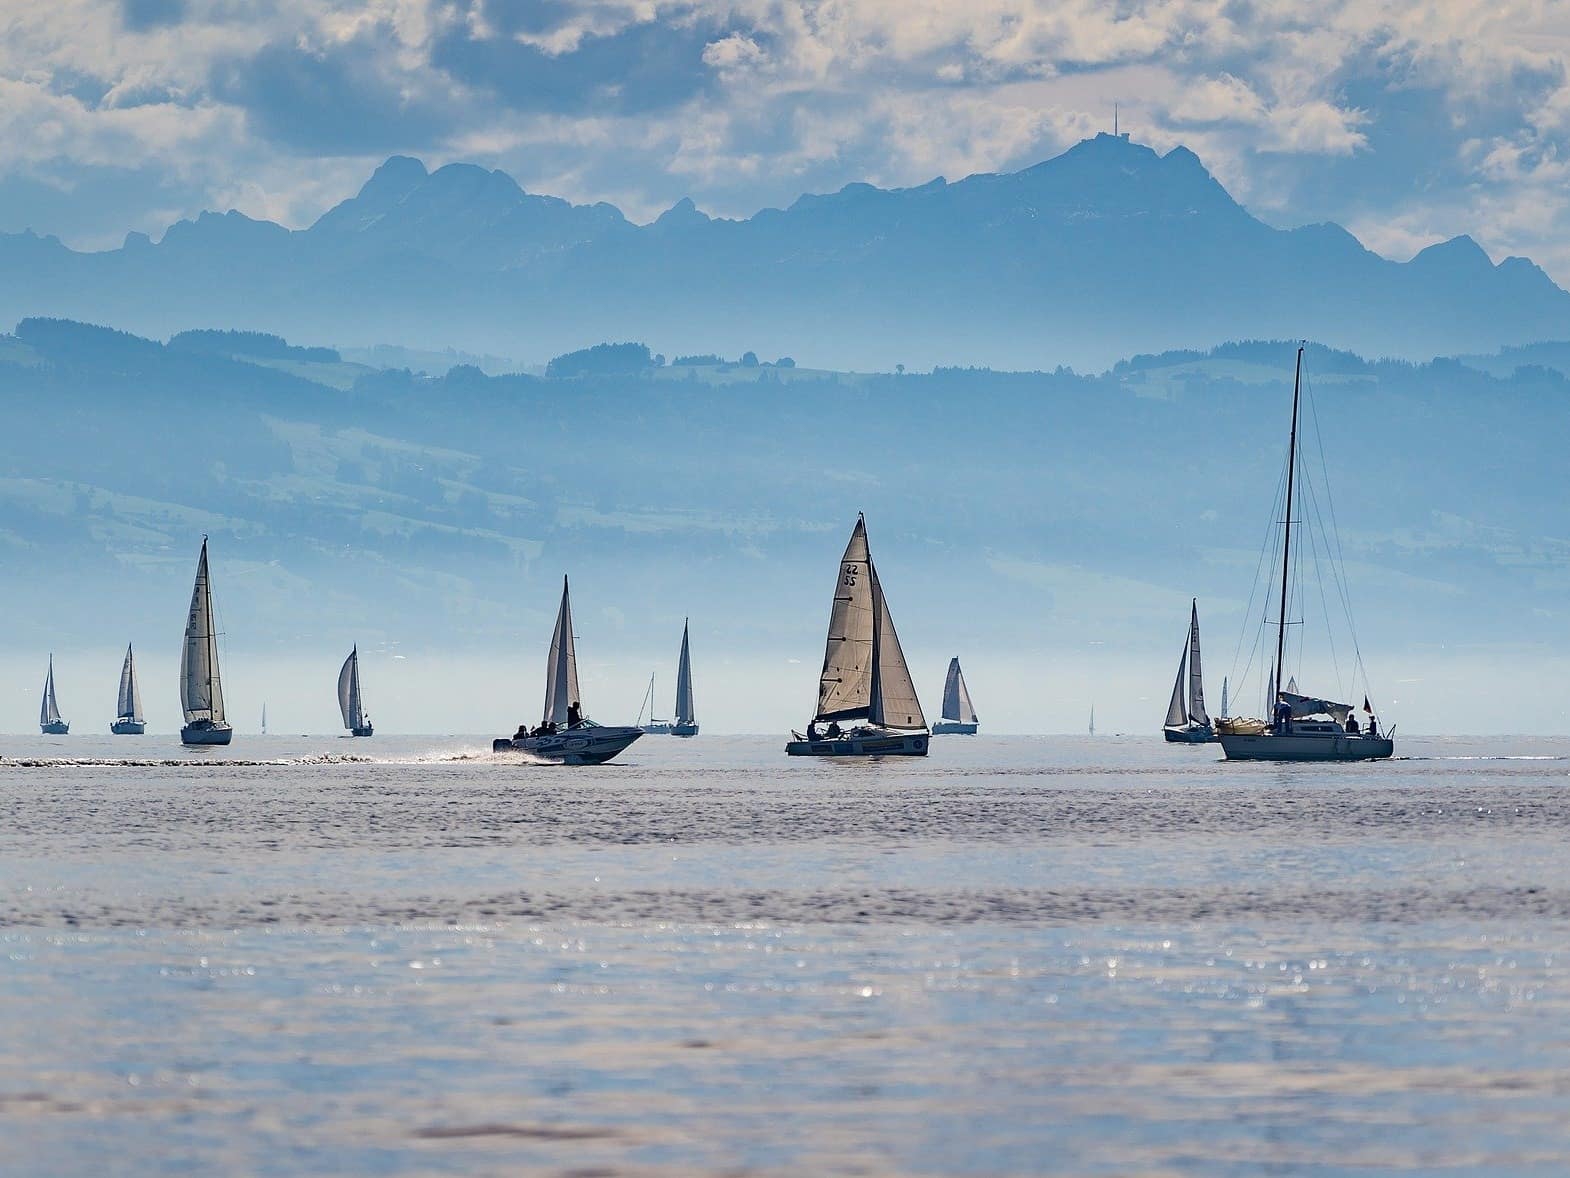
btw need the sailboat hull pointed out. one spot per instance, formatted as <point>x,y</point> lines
<point>871,743</point>
<point>1306,746</point>
<point>205,732</point>
<point>655,728</point>
<point>363,730</point>
<point>953,728</point>
<point>128,727</point>
<point>1194,734</point>
<point>591,745</point>
<point>57,728</point>
<point>679,729</point>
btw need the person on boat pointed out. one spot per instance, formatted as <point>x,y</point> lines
<point>574,714</point>
<point>522,733</point>
<point>1373,726</point>
<point>833,730</point>
<point>812,730</point>
<point>1351,724</point>
<point>1283,715</point>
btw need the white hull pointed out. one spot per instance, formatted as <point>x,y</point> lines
<point>866,742</point>
<point>57,728</point>
<point>204,732</point>
<point>1306,746</point>
<point>591,745</point>
<point>953,728</point>
<point>1190,734</point>
<point>128,727</point>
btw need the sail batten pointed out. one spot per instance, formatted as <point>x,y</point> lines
<point>561,666</point>
<point>201,689</point>
<point>685,712</point>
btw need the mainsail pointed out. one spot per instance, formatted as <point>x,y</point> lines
<point>1176,716</point>
<point>201,692</point>
<point>956,697</point>
<point>561,667</point>
<point>349,691</point>
<point>49,709</point>
<point>1196,684</point>
<point>129,704</point>
<point>894,703</point>
<point>845,686</point>
<point>685,713</point>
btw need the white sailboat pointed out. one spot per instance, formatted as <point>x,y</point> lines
<point>49,721</point>
<point>1187,721</point>
<point>653,726</point>
<point>128,718</point>
<point>201,689</point>
<point>864,673</point>
<point>1223,697</point>
<point>349,701</point>
<point>959,714</point>
<point>1300,727</point>
<point>685,721</point>
<point>565,734</point>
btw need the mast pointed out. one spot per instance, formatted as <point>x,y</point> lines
<point>1286,546</point>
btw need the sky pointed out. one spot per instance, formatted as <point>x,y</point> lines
<point>1408,121</point>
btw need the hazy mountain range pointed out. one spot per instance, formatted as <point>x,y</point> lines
<point>1104,250</point>
<point>1050,528</point>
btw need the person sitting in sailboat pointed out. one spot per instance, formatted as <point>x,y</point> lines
<point>1351,724</point>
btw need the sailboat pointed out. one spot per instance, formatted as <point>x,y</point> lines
<point>1092,719</point>
<point>1301,728</point>
<point>1187,721</point>
<point>685,722</point>
<point>864,673</point>
<point>653,727</point>
<point>264,719</point>
<point>201,690</point>
<point>349,701</point>
<point>959,714</point>
<point>128,718</point>
<point>49,722</point>
<point>565,734</point>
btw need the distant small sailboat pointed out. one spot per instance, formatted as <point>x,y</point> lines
<point>651,727</point>
<point>685,721</point>
<point>1187,721</point>
<point>959,714</point>
<point>565,734</point>
<point>128,718</point>
<point>264,719</point>
<point>864,673</point>
<point>49,721</point>
<point>349,701</point>
<point>201,689</point>
<point>1092,719</point>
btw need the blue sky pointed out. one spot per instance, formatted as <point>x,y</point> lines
<point>1408,121</point>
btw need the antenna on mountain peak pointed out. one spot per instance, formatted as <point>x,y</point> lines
<point>1114,120</point>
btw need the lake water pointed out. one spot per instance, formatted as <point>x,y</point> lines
<point>1019,956</point>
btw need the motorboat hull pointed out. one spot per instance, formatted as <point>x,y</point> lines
<point>58,728</point>
<point>205,732</point>
<point>128,727</point>
<point>680,729</point>
<point>953,728</point>
<point>1303,746</point>
<point>363,730</point>
<point>591,745</point>
<point>1197,734</point>
<point>872,743</point>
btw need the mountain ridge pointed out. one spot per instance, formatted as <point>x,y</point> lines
<point>1107,248</point>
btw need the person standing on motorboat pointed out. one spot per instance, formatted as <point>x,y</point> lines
<point>574,714</point>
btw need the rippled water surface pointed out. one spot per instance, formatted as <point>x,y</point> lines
<point>1019,956</point>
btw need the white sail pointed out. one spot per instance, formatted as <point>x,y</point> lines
<point>685,713</point>
<point>201,691</point>
<point>845,686</point>
<point>128,706</point>
<point>1176,716</point>
<point>893,695</point>
<point>349,691</point>
<point>956,697</point>
<point>1224,697</point>
<point>49,709</point>
<point>1196,683</point>
<point>561,667</point>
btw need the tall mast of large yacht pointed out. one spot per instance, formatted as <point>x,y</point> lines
<point>1286,547</point>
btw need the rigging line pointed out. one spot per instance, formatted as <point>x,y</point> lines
<point>1266,546</point>
<point>1343,588</point>
<point>1324,604</point>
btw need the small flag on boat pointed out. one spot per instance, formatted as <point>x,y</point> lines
<point>1366,708</point>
